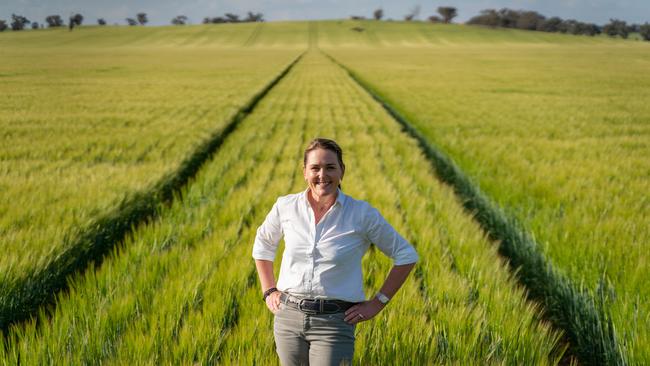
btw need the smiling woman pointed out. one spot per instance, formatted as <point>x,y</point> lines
<point>323,171</point>
<point>319,297</point>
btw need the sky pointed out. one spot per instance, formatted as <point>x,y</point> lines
<point>160,12</point>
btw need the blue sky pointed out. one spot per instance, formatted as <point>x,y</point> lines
<point>160,12</point>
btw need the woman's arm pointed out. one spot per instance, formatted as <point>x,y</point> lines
<point>267,279</point>
<point>395,279</point>
<point>368,309</point>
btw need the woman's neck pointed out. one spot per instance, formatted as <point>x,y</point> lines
<point>320,204</point>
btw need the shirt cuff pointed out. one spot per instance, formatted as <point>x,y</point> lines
<point>407,258</point>
<point>259,252</point>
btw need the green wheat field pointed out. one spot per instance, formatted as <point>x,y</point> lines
<point>137,162</point>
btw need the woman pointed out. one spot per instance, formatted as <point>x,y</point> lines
<point>319,297</point>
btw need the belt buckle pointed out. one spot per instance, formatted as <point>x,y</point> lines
<point>306,311</point>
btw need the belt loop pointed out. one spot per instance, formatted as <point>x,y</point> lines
<point>322,305</point>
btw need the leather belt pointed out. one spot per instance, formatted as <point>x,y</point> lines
<point>316,306</point>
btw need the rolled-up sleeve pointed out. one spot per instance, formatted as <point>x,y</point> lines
<point>268,236</point>
<point>389,241</point>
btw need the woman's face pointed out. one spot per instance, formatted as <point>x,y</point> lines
<point>322,172</point>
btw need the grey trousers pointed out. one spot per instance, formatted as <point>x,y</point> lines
<point>303,339</point>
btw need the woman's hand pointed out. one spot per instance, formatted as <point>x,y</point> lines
<point>273,301</point>
<point>363,311</point>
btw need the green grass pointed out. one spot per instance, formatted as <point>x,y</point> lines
<point>557,135</point>
<point>223,36</point>
<point>418,35</point>
<point>94,124</point>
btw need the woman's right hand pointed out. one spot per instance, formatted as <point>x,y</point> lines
<point>273,301</point>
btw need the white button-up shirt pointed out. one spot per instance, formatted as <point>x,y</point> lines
<point>324,260</point>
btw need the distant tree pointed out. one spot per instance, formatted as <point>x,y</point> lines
<point>633,28</point>
<point>529,20</point>
<point>217,20</point>
<point>34,25</point>
<point>550,25</point>
<point>378,14</point>
<point>232,18</point>
<point>610,29</point>
<point>623,32</point>
<point>254,17</point>
<point>415,12</point>
<point>591,29</point>
<point>18,22</point>
<point>3,25</point>
<point>131,21</point>
<point>357,17</point>
<point>580,28</point>
<point>508,18</point>
<point>570,26</point>
<point>520,19</point>
<point>448,13</point>
<point>644,30</point>
<point>616,27</point>
<point>180,20</point>
<point>101,21</point>
<point>77,19</point>
<point>54,21</point>
<point>435,19</point>
<point>487,17</point>
<point>142,18</point>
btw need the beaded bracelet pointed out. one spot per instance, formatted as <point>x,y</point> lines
<point>268,292</point>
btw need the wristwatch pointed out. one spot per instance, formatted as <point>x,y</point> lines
<point>382,298</point>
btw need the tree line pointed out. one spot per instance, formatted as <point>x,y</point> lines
<point>526,20</point>
<point>234,18</point>
<point>534,21</point>
<point>503,18</point>
<point>20,22</point>
<point>447,13</point>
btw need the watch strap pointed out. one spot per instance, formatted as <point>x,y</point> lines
<point>382,298</point>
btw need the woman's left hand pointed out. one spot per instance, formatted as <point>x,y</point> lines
<point>363,311</point>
